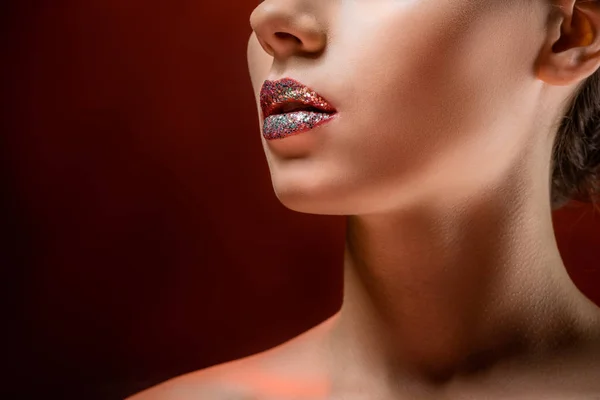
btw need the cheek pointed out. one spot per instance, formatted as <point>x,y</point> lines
<point>428,95</point>
<point>408,100</point>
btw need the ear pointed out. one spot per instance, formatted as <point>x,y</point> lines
<point>572,51</point>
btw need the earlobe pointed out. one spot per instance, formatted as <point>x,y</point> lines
<point>573,54</point>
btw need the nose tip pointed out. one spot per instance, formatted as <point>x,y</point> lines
<point>282,31</point>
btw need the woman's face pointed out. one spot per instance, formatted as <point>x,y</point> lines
<point>433,97</point>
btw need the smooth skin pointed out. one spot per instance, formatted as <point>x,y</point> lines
<point>440,156</point>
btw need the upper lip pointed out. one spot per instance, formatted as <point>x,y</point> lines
<point>287,94</point>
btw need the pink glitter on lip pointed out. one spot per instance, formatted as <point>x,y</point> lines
<point>290,107</point>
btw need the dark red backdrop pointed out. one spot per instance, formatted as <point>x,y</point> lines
<point>143,237</point>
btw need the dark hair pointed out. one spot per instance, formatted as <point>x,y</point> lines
<point>576,152</point>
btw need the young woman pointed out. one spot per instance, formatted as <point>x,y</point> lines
<point>446,130</point>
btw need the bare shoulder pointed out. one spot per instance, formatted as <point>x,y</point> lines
<point>214,383</point>
<point>292,366</point>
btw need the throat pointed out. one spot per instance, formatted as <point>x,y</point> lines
<point>419,302</point>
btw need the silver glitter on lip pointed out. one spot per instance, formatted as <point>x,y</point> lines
<point>280,126</point>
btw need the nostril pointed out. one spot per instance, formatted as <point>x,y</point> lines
<point>284,35</point>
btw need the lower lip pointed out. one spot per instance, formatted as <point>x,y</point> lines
<point>281,126</point>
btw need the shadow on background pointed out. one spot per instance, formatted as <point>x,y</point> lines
<point>143,236</point>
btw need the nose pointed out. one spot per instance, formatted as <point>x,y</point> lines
<point>287,27</point>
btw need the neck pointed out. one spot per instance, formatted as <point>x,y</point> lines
<point>441,290</point>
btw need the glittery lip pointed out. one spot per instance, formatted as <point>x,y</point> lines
<point>290,107</point>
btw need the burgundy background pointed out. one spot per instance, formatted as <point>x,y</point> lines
<point>142,236</point>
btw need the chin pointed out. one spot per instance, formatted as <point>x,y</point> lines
<point>311,198</point>
<point>324,197</point>
<point>339,197</point>
<point>312,206</point>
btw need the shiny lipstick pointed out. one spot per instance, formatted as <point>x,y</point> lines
<point>289,108</point>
